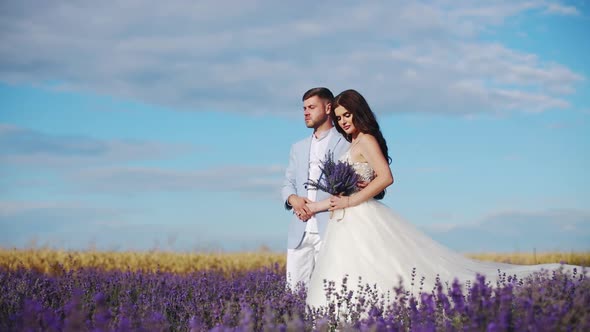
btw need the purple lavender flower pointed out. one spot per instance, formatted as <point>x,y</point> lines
<point>337,178</point>
<point>94,300</point>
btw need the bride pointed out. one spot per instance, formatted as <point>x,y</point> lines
<point>370,241</point>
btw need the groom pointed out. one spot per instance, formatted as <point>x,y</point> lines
<point>306,228</point>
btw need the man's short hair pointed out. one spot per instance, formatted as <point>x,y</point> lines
<point>321,92</point>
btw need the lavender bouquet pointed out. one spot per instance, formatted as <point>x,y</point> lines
<point>337,178</point>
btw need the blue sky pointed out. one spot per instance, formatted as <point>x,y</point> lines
<point>168,125</point>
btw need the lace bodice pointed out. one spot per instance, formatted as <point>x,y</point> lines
<point>363,169</point>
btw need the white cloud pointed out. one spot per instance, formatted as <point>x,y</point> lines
<point>31,216</point>
<point>78,225</point>
<point>24,147</point>
<point>557,125</point>
<point>11,208</point>
<point>260,56</point>
<point>556,8</point>
<point>244,179</point>
<point>431,169</point>
<point>565,229</point>
<point>104,166</point>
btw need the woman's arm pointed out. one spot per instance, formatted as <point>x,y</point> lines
<point>369,150</point>
<point>319,206</point>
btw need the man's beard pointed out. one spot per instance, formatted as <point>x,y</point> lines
<point>316,124</point>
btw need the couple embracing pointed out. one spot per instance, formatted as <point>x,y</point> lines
<point>369,242</point>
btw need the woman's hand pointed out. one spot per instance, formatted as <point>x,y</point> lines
<point>339,202</point>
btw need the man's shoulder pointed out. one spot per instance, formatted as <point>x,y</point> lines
<point>341,142</point>
<point>302,142</point>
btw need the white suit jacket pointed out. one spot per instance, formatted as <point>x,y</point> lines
<point>296,176</point>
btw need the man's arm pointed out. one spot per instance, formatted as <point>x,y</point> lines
<point>289,183</point>
<point>291,200</point>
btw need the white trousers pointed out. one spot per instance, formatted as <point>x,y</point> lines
<point>301,260</point>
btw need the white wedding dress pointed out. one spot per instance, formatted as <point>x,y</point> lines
<point>374,243</point>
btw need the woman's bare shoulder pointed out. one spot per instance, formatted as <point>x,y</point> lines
<point>368,139</point>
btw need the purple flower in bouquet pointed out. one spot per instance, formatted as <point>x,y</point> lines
<point>337,178</point>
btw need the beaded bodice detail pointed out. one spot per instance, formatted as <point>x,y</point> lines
<point>363,169</point>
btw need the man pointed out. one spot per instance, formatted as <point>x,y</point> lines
<point>306,228</point>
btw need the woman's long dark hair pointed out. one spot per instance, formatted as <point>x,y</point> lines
<point>362,118</point>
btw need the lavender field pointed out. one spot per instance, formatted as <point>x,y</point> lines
<point>91,299</point>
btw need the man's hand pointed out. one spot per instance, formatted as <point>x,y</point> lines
<point>301,210</point>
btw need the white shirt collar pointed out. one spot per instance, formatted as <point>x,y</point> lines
<point>323,136</point>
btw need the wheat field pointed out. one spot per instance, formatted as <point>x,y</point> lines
<point>52,261</point>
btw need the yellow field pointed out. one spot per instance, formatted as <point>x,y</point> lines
<point>49,261</point>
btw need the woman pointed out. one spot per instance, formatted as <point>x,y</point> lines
<point>371,242</point>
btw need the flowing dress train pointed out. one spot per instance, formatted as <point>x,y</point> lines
<point>372,242</point>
